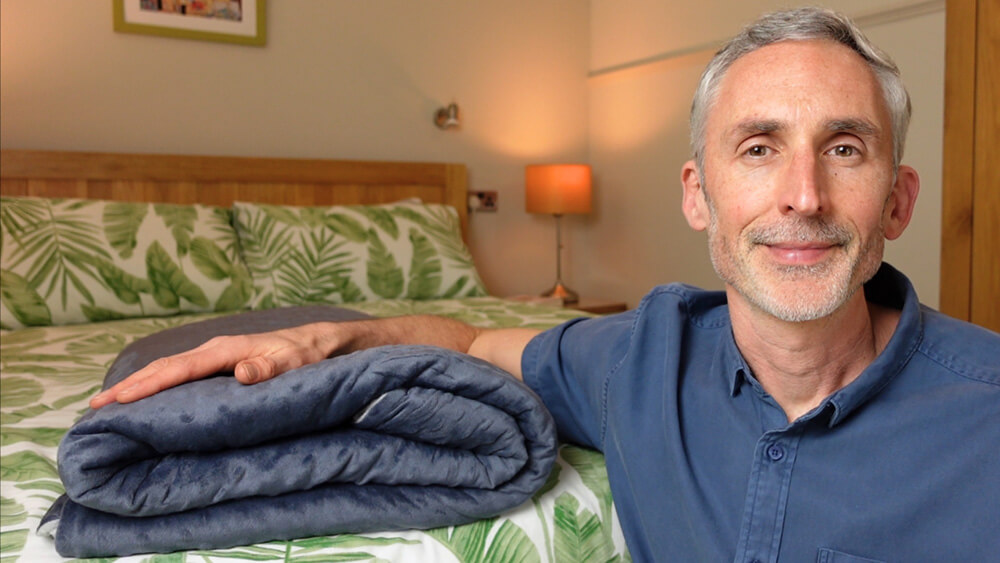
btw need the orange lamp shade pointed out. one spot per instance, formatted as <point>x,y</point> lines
<point>557,189</point>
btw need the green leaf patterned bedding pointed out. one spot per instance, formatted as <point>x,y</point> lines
<point>49,373</point>
<point>344,254</point>
<point>76,261</point>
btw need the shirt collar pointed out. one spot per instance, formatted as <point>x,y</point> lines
<point>889,288</point>
<point>732,360</point>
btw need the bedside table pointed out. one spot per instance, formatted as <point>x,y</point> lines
<point>597,306</point>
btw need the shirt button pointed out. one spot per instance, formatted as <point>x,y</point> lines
<point>775,452</point>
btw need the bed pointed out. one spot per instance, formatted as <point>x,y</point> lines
<point>101,250</point>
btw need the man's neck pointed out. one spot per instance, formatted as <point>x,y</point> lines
<point>800,364</point>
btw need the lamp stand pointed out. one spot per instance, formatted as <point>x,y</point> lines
<point>559,290</point>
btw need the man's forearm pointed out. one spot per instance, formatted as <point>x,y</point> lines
<point>501,347</point>
<point>416,329</point>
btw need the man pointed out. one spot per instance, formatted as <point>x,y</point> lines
<point>812,411</point>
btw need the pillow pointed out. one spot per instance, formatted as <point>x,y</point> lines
<point>70,261</point>
<point>343,254</point>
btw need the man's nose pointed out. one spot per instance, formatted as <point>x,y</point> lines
<point>803,189</point>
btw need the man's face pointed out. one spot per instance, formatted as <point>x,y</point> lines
<point>799,192</point>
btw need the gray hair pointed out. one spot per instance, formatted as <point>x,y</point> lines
<point>798,25</point>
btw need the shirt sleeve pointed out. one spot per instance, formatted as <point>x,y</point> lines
<point>568,366</point>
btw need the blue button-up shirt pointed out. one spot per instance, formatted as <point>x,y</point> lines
<point>902,464</point>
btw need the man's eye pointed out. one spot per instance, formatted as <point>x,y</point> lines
<point>844,151</point>
<point>757,150</point>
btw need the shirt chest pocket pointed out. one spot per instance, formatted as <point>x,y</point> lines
<point>826,555</point>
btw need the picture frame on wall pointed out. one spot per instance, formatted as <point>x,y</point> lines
<point>229,21</point>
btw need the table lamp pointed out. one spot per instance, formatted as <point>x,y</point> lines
<point>557,189</point>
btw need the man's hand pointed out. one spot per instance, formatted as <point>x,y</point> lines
<point>251,357</point>
<point>258,357</point>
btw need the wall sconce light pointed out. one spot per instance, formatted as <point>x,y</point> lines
<point>447,117</point>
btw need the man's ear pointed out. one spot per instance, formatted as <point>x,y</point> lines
<point>694,205</point>
<point>899,206</point>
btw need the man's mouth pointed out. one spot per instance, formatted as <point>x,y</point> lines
<point>800,254</point>
<point>800,243</point>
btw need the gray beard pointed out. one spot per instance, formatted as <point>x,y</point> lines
<point>843,278</point>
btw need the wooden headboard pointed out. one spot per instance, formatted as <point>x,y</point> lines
<point>219,181</point>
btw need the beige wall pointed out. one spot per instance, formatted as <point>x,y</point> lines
<point>337,79</point>
<point>347,79</point>
<point>638,134</point>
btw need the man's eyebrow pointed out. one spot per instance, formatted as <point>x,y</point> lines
<point>757,127</point>
<point>856,126</point>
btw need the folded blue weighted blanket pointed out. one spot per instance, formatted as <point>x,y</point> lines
<point>385,439</point>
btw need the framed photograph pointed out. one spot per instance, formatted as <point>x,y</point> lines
<point>229,21</point>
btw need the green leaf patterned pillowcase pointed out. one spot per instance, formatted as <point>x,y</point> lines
<point>68,261</point>
<point>344,254</point>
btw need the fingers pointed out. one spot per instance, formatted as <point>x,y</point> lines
<point>252,358</point>
<point>255,370</point>
<point>284,350</point>
<point>274,362</point>
<point>212,357</point>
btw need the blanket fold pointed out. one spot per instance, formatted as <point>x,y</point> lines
<point>384,439</point>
